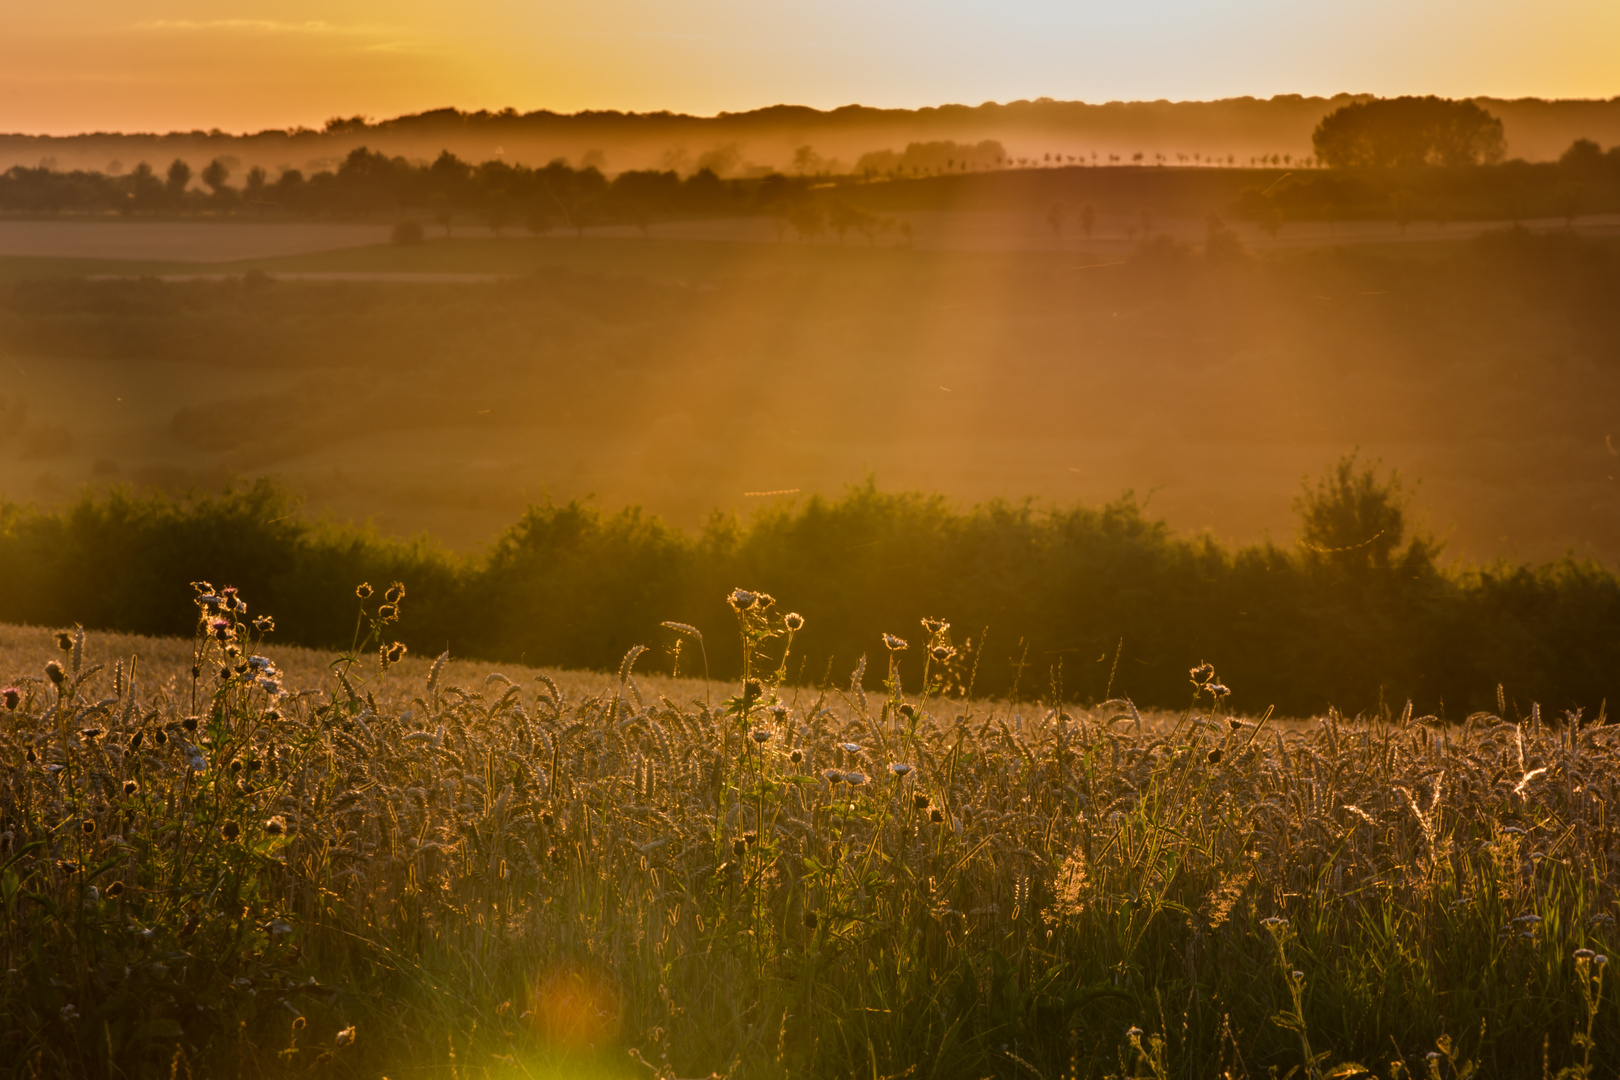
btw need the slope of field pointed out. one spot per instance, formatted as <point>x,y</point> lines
<point>685,376</point>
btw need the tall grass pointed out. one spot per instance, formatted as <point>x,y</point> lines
<point>214,872</point>
<point>1108,599</point>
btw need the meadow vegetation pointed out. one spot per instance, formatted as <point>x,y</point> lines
<point>211,866</point>
<point>1096,601</point>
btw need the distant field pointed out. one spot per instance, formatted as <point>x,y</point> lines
<point>685,375</point>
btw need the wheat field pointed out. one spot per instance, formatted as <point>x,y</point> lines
<point>221,858</point>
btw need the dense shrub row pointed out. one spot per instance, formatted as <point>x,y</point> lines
<point>1085,601</point>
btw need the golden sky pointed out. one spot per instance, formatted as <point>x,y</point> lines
<point>78,65</point>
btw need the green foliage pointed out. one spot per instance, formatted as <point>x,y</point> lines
<point>1104,599</point>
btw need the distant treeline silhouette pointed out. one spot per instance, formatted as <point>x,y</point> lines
<point>1379,181</point>
<point>1081,601</point>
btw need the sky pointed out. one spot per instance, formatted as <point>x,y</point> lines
<point>113,65</point>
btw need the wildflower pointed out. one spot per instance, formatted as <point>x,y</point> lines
<point>275,826</point>
<point>363,590</point>
<point>31,756</point>
<point>1233,722</point>
<point>1201,674</point>
<point>89,826</point>
<point>1584,954</point>
<point>907,710</point>
<point>854,779</point>
<point>11,697</point>
<point>1298,976</point>
<point>395,593</point>
<point>202,587</point>
<point>793,621</point>
<point>851,748</point>
<point>739,848</point>
<point>832,776</point>
<point>1218,690</point>
<point>230,831</point>
<point>1215,756</point>
<point>396,652</point>
<point>753,690</point>
<point>189,723</point>
<point>53,672</point>
<point>346,1036</point>
<point>778,713</point>
<point>260,663</point>
<point>264,624</point>
<point>160,736</point>
<point>762,736</point>
<point>115,890</point>
<point>941,653</point>
<point>135,741</point>
<point>64,641</point>
<point>69,1014</point>
<point>90,734</point>
<point>220,628</point>
<point>741,600</point>
<point>796,757</point>
<point>764,601</point>
<point>388,612</point>
<point>1600,959</point>
<point>892,643</point>
<point>195,760</point>
<point>936,815</point>
<point>899,768</point>
<point>1133,1033</point>
<point>935,626</point>
<point>750,838</point>
<point>131,787</point>
<point>920,801</point>
<point>809,919</point>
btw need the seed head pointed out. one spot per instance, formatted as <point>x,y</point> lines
<point>742,600</point>
<point>907,710</point>
<point>1233,722</point>
<point>1202,674</point>
<point>753,690</point>
<point>832,776</point>
<point>750,838</point>
<point>135,741</point>
<point>739,847</point>
<point>1215,756</point>
<point>88,825</point>
<point>935,626</point>
<point>388,612</point>
<point>31,756</point>
<point>264,624</point>
<point>363,590</point>
<point>11,697</point>
<point>115,890</point>
<point>1584,954</point>
<point>936,815</point>
<point>941,653</point>
<point>131,787</point>
<point>762,736</point>
<point>778,713</point>
<point>892,643</point>
<point>90,734</point>
<point>854,779</point>
<point>189,723</point>
<point>160,736</point>
<point>793,621</point>
<point>230,830</point>
<point>395,593</point>
<point>920,801</point>
<point>396,652</point>
<point>764,602</point>
<point>64,641</point>
<point>53,672</point>
<point>202,587</point>
<point>796,757</point>
<point>899,768</point>
<point>275,826</point>
<point>809,919</point>
<point>851,748</point>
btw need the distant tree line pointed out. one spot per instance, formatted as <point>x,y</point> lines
<point>1074,602</point>
<point>1430,185</point>
<point>366,184</point>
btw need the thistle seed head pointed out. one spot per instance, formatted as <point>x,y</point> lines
<point>793,621</point>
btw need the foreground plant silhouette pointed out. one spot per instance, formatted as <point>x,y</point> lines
<point>381,872</point>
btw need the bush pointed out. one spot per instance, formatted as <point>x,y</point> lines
<point>408,232</point>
